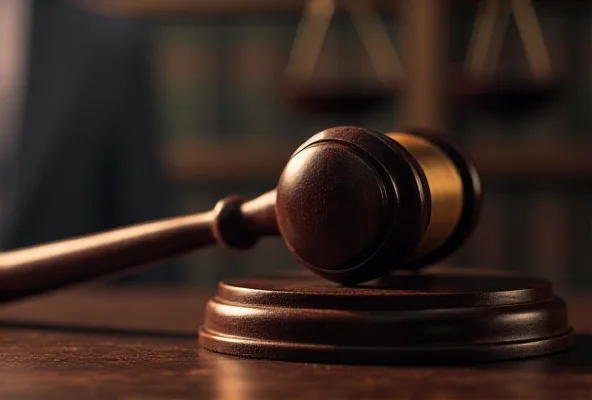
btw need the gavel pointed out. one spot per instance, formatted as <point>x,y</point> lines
<point>352,205</point>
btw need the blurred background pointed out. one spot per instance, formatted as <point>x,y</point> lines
<point>240,86</point>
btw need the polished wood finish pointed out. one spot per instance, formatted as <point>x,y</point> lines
<point>431,318</point>
<point>351,205</point>
<point>51,266</point>
<point>141,343</point>
<point>354,204</point>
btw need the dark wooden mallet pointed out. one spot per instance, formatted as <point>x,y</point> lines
<point>364,211</point>
<point>351,205</point>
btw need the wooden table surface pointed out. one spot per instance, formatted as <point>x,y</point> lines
<point>142,344</point>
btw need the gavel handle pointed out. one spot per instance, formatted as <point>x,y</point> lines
<point>41,268</point>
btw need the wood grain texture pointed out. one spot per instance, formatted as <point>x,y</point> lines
<point>63,364</point>
<point>386,212</point>
<point>232,223</point>
<point>442,317</point>
<point>352,204</point>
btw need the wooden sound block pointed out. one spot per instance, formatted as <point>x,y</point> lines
<point>407,318</point>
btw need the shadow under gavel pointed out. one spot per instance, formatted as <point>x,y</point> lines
<point>351,205</point>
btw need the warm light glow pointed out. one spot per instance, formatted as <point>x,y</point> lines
<point>446,190</point>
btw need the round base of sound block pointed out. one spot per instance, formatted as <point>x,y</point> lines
<point>406,318</point>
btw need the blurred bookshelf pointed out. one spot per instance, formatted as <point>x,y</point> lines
<point>148,8</point>
<point>196,161</point>
<point>159,8</point>
<point>219,66</point>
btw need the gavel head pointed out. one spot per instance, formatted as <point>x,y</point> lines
<point>353,204</point>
